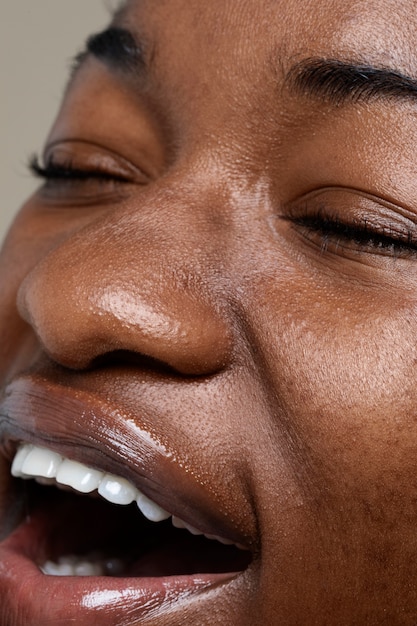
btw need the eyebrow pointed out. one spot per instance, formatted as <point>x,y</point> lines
<point>342,82</point>
<point>333,80</point>
<point>117,48</point>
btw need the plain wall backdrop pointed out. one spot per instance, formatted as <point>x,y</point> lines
<point>38,39</point>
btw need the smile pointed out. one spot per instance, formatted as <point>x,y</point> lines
<point>104,520</point>
<point>50,469</point>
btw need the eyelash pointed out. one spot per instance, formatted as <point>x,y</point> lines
<point>334,231</point>
<point>54,171</point>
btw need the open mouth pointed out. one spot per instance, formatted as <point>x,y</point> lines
<point>102,523</point>
<point>90,523</point>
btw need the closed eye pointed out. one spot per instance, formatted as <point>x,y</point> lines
<point>66,171</point>
<point>361,234</point>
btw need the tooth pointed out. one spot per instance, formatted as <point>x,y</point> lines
<point>85,568</point>
<point>106,566</point>
<point>57,569</point>
<point>76,566</point>
<point>45,481</point>
<point>226,542</point>
<point>50,569</point>
<point>19,459</point>
<point>78,476</point>
<point>193,530</point>
<point>72,566</point>
<point>178,523</point>
<point>41,462</point>
<point>117,490</point>
<point>151,510</point>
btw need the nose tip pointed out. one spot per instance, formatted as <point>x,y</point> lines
<point>83,309</point>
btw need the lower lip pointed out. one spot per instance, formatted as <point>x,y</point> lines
<point>30,597</point>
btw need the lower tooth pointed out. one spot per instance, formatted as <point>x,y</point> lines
<point>72,566</point>
<point>84,568</point>
<point>57,569</point>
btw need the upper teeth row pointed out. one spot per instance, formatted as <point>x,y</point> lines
<point>46,466</point>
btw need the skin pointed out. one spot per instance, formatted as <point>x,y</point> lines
<point>282,362</point>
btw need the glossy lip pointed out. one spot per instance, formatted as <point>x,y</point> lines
<point>86,429</point>
<point>92,600</point>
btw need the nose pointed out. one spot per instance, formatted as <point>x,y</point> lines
<point>128,284</point>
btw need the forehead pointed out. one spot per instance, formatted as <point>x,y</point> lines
<point>240,33</point>
<point>226,60</point>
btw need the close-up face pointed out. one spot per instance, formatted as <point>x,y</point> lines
<point>208,322</point>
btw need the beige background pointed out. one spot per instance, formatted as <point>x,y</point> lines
<point>37,41</point>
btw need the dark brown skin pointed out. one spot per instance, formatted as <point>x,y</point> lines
<point>292,352</point>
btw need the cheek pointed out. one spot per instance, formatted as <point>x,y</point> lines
<point>344,375</point>
<point>341,381</point>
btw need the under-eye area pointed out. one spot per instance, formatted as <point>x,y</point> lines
<point>88,523</point>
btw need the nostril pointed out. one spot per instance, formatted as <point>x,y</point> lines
<point>127,359</point>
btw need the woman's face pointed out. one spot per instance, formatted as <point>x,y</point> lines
<point>213,297</point>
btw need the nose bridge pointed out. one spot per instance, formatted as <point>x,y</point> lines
<point>140,280</point>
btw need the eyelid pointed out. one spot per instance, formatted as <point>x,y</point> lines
<point>357,206</point>
<point>390,207</point>
<point>82,174</point>
<point>342,219</point>
<point>87,157</point>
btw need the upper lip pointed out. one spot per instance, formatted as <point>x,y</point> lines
<point>87,429</point>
